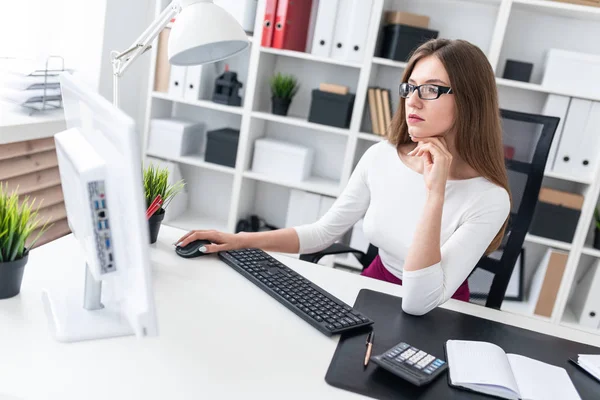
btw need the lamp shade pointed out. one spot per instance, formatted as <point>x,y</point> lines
<point>203,33</point>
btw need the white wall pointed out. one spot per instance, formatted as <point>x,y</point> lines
<point>125,21</point>
<point>73,29</point>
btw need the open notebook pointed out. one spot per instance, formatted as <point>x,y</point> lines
<point>484,367</point>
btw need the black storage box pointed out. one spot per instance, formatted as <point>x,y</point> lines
<point>556,215</point>
<point>221,146</point>
<point>399,41</point>
<point>517,70</point>
<point>331,108</point>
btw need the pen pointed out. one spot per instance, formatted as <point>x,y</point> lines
<point>369,345</point>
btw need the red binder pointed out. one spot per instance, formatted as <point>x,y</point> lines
<point>269,23</point>
<point>291,24</point>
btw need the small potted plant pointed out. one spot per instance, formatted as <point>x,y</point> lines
<point>597,230</point>
<point>283,89</point>
<point>156,182</point>
<point>18,220</point>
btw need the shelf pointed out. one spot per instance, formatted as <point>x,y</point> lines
<point>521,308</point>
<point>370,136</point>
<point>536,87</point>
<point>558,9</point>
<point>389,63</point>
<point>569,320</point>
<point>196,161</point>
<point>548,242</point>
<point>296,121</point>
<point>313,184</point>
<point>568,178</point>
<point>200,103</point>
<point>191,220</point>
<point>590,251</point>
<point>309,57</point>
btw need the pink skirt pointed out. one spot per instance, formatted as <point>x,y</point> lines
<point>377,271</point>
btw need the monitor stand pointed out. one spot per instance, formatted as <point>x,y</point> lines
<point>72,321</point>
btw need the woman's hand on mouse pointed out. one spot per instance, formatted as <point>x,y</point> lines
<point>221,241</point>
<point>436,162</point>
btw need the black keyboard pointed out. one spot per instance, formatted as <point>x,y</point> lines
<point>313,304</point>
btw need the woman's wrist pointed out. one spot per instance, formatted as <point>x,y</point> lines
<point>244,240</point>
<point>436,196</point>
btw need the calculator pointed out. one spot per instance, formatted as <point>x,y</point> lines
<point>410,363</point>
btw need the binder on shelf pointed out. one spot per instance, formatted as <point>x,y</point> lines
<point>162,70</point>
<point>291,24</point>
<point>177,81</point>
<point>324,27</point>
<point>380,115</point>
<point>546,282</point>
<point>193,82</point>
<point>341,32</point>
<point>360,17</point>
<point>373,111</point>
<point>269,23</point>
<point>585,302</point>
<point>580,143</point>
<point>387,106</point>
<point>556,106</point>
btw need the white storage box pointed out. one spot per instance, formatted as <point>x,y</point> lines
<point>282,160</point>
<point>174,137</point>
<point>572,72</point>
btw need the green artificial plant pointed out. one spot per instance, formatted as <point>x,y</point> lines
<point>156,181</point>
<point>18,220</point>
<point>284,86</point>
<point>597,218</point>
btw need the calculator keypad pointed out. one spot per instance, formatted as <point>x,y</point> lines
<point>411,363</point>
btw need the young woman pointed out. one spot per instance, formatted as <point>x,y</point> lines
<point>434,195</point>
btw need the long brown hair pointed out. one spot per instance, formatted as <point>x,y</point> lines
<point>477,119</point>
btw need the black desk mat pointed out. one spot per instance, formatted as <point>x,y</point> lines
<point>429,333</point>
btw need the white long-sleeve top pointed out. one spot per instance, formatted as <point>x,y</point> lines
<point>391,196</point>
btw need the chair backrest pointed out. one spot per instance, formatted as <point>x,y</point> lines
<point>527,139</point>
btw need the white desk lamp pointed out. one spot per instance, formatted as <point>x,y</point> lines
<point>202,33</point>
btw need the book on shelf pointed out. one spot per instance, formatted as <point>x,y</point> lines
<point>485,368</point>
<point>380,109</point>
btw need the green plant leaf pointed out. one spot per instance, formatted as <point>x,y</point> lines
<point>284,86</point>
<point>156,181</point>
<point>19,218</point>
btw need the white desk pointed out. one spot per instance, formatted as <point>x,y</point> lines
<point>220,337</point>
<point>17,125</point>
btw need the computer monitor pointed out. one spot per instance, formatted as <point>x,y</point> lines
<point>101,175</point>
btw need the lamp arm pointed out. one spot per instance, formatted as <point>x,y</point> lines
<point>121,61</point>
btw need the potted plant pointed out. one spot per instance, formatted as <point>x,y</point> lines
<point>156,182</point>
<point>283,89</point>
<point>597,230</point>
<point>18,220</point>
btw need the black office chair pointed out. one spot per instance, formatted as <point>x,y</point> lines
<point>531,136</point>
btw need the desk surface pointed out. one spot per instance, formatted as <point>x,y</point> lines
<point>17,125</point>
<point>220,336</point>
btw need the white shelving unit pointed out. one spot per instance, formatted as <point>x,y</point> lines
<point>516,29</point>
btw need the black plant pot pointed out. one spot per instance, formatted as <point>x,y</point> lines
<point>11,276</point>
<point>597,239</point>
<point>154,224</point>
<point>280,106</point>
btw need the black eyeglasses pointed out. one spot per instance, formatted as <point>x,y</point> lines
<point>426,92</point>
